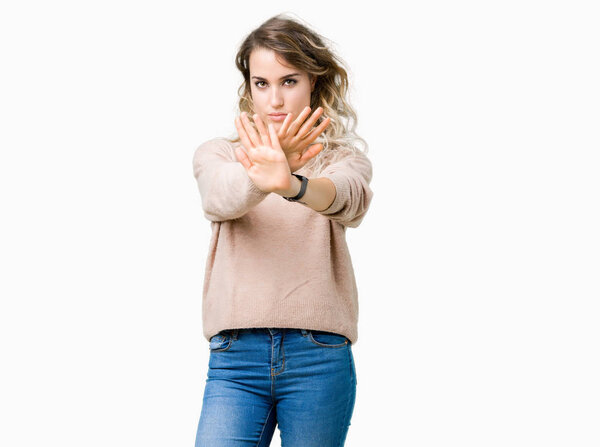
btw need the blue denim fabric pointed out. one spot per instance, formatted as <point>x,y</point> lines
<point>302,381</point>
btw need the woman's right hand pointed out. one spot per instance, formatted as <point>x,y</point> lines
<point>264,161</point>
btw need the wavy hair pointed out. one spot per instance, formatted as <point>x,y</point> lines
<point>306,50</point>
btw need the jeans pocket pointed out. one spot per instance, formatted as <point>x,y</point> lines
<point>220,342</point>
<point>327,339</point>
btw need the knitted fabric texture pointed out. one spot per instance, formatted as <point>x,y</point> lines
<point>274,263</point>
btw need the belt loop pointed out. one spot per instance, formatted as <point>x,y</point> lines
<point>304,332</point>
<point>234,334</point>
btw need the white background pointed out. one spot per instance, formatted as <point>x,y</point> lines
<point>477,265</point>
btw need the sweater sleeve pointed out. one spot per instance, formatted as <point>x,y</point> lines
<point>225,189</point>
<point>351,177</point>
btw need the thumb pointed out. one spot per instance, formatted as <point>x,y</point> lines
<point>311,152</point>
<point>243,158</point>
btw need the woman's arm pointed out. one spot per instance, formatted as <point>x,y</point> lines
<point>319,193</point>
<point>225,188</point>
<point>266,163</point>
<point>342,192</point>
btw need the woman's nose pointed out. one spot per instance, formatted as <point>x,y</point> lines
<point>276,98</point>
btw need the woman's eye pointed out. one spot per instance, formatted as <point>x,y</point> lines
<point>262,82</point>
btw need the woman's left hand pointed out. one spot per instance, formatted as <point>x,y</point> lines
<point>296,137</point>
<point>265,161</point>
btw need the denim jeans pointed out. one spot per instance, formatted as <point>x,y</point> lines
<point>300,380</point>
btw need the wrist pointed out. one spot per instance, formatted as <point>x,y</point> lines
<point>293,190</point>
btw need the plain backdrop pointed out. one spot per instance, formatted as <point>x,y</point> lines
<point>477,265</point>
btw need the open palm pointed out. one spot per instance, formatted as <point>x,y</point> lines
<point>265,161</point>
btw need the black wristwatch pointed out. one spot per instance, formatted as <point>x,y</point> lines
<point>304,181</point>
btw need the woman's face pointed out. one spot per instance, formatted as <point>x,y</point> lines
<point>274,90</point>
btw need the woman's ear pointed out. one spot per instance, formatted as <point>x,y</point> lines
<point>313,82</point>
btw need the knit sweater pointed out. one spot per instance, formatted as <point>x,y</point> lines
<point>275,263</point>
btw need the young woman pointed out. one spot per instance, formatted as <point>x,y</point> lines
<point>280,302</point>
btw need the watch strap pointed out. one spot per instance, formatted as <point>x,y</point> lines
<point>304,181</point>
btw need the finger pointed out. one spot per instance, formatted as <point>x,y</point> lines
<point>243,158</point>
<point>274,139</point>
<point>314,133</point>
<point>310,122</point>
<point>264,134</point>
<point>243,134</point>
<point>298,122</point>
<point>252,134</point>
<point>286,123</point>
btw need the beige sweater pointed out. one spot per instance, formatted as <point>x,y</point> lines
<point>274,263</point>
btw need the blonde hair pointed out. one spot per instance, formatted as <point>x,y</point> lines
<point>305,49</point>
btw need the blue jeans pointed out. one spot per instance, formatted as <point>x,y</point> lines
<point>303,381</point>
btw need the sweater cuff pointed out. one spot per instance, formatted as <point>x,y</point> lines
<point>342,192</point>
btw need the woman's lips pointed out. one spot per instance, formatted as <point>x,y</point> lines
<point>278,117</point>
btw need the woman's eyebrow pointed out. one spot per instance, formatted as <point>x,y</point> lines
<point>283,77</point>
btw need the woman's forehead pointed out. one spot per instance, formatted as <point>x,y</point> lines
<point>265,63</point>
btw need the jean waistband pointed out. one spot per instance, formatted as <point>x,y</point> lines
<point>272,331</point>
